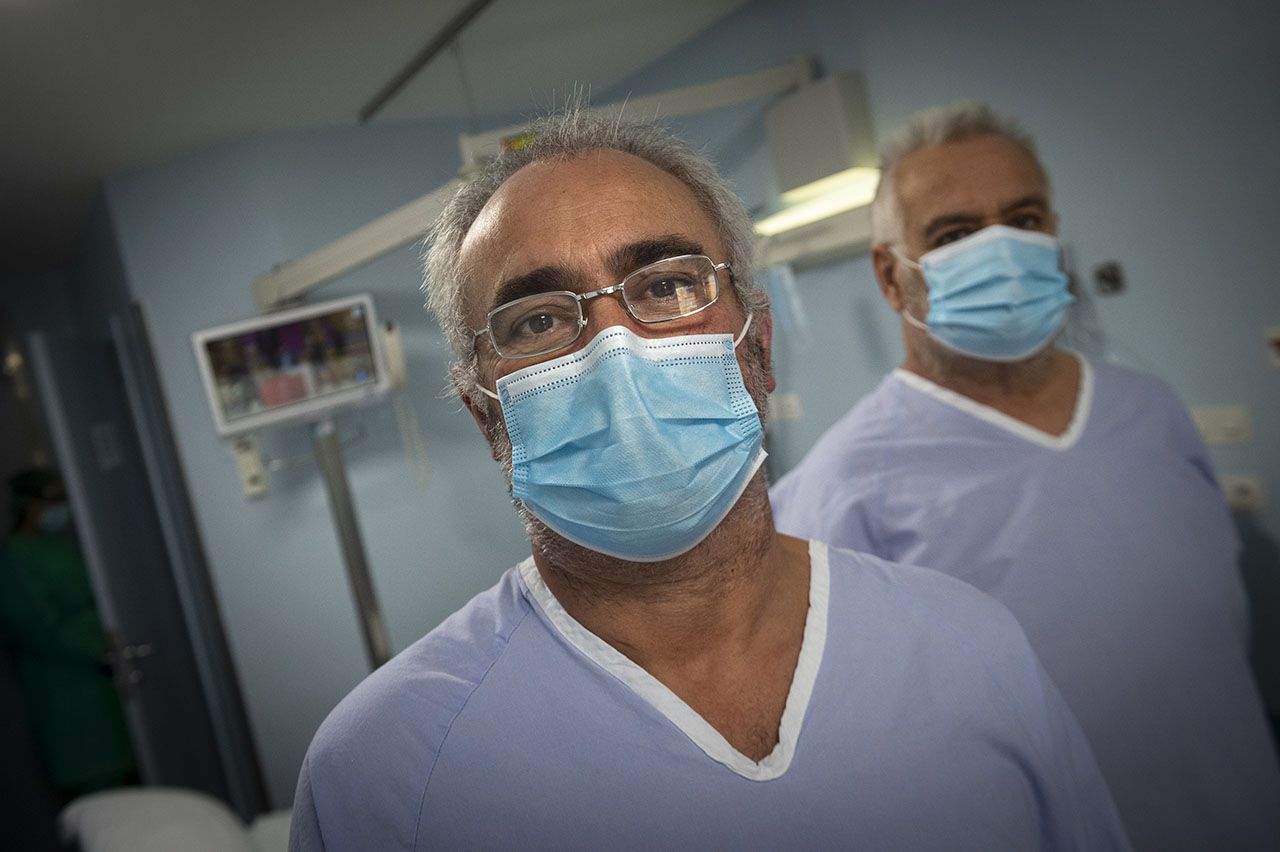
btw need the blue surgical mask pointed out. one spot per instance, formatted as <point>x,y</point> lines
<point>998,295</point>
<point>633,447</point>
<point>55,519</point>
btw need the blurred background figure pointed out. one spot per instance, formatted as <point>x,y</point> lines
<point>1075,491</point>
<point>50,627</point>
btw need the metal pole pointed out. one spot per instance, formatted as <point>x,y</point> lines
<point>329,458</point>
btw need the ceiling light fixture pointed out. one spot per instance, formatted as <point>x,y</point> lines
<point>824,159</point>
<point>853,187</point>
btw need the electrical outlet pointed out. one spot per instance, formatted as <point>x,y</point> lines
<point>253,476</point>
<point>1243,491</point>
<point>1223,424</point>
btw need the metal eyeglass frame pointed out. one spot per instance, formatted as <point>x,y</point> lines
<point>579,298</point>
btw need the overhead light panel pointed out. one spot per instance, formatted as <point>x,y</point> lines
<point>853,187</point>
<point>823,153</point>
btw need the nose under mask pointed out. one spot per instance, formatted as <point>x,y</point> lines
<point>633,447</point>
<point>997,295</point>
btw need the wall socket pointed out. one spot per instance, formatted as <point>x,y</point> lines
<point>253,476</point>
<point>1243,491</point>
<point>1223,424</point>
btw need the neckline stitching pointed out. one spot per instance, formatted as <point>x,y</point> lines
<point>672,707</point>
<point>1063,442</point>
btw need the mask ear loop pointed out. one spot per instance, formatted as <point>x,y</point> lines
<point>745,326</point>
<point>904,313</point>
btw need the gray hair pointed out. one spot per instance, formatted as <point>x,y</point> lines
<point>564,136</point>
<point>937,126</point>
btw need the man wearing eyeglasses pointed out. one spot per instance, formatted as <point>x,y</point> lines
<point>665,670</point>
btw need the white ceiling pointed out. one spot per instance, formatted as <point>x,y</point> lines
<point>89,88</point>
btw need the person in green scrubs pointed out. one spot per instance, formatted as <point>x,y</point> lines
<point>49,624</point>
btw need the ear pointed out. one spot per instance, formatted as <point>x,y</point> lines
<point>885,264</point>
<point>764,335</point>
<point>479,412</point>
<point>461,378</point>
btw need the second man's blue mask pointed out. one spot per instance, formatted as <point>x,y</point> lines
<point>998,295</point>
<point>633,447</point>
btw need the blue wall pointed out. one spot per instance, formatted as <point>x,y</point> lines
<point>1155,124</point>
<point>194,234</point>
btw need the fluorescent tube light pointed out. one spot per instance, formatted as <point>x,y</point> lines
<point>837,193</point>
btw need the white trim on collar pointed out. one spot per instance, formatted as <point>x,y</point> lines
<point>1065,441</point>
<point>684,717</point>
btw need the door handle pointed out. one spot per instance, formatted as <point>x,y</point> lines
<point>121,659</point>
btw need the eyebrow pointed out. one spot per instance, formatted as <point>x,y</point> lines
<point>544,279</point>
<point>621,262</point>
<point>1035,199</point>
<point>629,258</point>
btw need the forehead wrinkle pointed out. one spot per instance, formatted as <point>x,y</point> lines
<point>921,180</point>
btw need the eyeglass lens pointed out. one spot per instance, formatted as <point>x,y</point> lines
<point>542,323</point>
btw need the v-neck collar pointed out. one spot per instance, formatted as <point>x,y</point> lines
<point>1065,441</point>
<point>680,714</point>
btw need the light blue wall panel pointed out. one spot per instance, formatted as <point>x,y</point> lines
<point>194,234</point>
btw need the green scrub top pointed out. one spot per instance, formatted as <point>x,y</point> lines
<point>50,624</point>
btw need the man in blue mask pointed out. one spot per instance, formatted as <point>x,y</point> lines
<point>1075,492</point>
<point>666,670</point>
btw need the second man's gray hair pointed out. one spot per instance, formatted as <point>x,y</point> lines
<point>937,126</point>
<point>564,136</point>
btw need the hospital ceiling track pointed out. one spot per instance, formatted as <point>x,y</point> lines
<point>442,40</point>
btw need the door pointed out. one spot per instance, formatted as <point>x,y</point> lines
<point>81,389</point>
<point>190,569</point>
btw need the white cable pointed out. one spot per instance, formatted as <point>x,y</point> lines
<point>415,447</point>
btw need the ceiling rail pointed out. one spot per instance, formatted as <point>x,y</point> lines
<point>451,30</point>
<point>289,281</point>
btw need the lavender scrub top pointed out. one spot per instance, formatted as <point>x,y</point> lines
<point>1113,547</point>
<point>918,718</point>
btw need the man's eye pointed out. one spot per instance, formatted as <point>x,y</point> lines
<point>665,287</point>
<point>662,289</point>
<point>951,236</point>
<point>534,325</point>
<point>1028,221</point>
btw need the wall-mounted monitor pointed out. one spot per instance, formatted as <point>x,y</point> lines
<point>296,364</point>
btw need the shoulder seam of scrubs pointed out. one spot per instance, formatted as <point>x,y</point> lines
<point>1063,442</point>
<point>673,708</point>
<point>426,782</point>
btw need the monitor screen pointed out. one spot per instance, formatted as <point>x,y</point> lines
<point>265,370</point>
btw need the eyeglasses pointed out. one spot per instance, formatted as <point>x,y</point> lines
<point>547,322</point>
